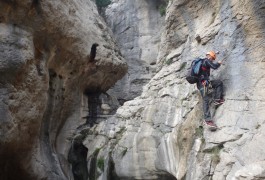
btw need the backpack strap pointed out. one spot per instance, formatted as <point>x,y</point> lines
<point>204,68</point>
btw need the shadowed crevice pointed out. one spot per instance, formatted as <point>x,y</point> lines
<point>77,158</point>
<point>11,167</point>
<point>93,103</point>
<point>93,52</point>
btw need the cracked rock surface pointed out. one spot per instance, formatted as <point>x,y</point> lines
<point>48,88</point>
<point>44,72</point>
<point>160,134</point>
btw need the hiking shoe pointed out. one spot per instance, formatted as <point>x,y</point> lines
<point>218,102</point>
<point>210,124</point>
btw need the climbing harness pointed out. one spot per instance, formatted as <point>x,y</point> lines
<point>207,87</point>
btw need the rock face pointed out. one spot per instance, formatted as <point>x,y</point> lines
<point>45,77</point>
<point>48,89</point>
<point>159,134</point>
<point>137,27</point>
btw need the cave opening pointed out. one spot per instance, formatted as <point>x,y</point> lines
<point>77,157</point>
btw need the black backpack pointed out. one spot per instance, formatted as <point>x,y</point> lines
<point>194,71</point>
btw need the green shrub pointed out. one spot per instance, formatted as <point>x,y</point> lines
<point>169,61</point>
<point>100,163</point>
<point>215,152</point>
<point>199,131</point>
<point>103,3</point>
<point>216,155</point>
<point>122,130</point>
<point>95,153</point>
<point>162,9</point>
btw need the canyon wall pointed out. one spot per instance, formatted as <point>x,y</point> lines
<point>48,68</point>
<point>159,134</point>
<point>58,117</point>
<point>137,27</point>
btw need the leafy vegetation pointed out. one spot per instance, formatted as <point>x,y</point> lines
<point>100,163</point>
<point>169,61</point>
<point>95,153</point>
<point>199,131</point>
<point>215,152</point>
<point>122,130</point>
<point>103,3</point>
<point>162,10</point>
<point>163,7</point>
<point>216,155</point>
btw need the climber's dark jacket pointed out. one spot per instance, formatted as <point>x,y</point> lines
<point>205,71</point>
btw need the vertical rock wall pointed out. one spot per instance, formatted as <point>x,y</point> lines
<point>46,80</point>
<point>160,135</point>
<point>46,66</point>
<point>137,26</point>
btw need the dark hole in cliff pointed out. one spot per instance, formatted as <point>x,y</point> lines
<point>122,101</point>
<point>11,167</point>
<point>93,107</point>
<point>111,170</point>
<point>161,5</point>
<point>93,52</point>
<point>167,177</point>
<point>77,158</point>
<point>52,73</point>
<point>93,165</point>
<point>35,4</point>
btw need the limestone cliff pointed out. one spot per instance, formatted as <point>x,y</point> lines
<point>49,89</point>
<point>46,74</point>
<point>137,26</point>
<point>159,134</point>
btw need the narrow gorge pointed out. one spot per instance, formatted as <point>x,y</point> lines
<point>96,90</point>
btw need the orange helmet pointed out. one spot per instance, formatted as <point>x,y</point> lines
<point>212,54</point>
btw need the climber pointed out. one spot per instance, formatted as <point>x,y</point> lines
<point>204,84</point>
